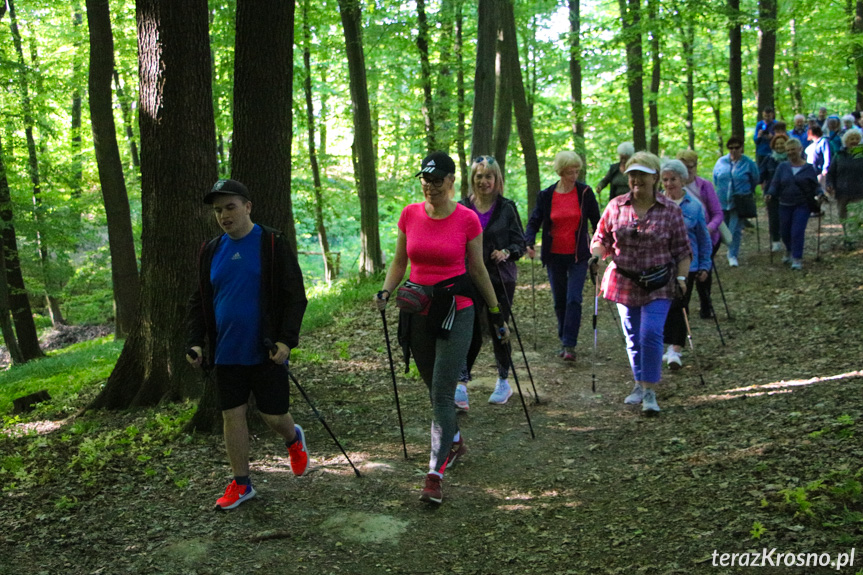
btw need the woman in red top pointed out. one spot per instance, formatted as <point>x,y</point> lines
<point>436,236</point>
<point>642,230</point>
<point>563,211</point>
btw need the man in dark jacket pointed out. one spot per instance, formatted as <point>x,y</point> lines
<point>250,289</point>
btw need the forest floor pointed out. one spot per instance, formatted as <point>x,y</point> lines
<point>763,454</point>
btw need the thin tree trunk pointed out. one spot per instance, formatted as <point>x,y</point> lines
<point>329,268</point>
<point>796,94</point>
<point>767,12</point>
<point>426,77</point>
<point>77,173</point>
<point>124,264</point>
<point>12,279</point>
<point>322,128</point>
<point>263,114</point>
<point>522,111</point>
<point>575,80</point>
<point>688,45</point>
<point>363,148</point>
<point>443,102</point>
<point>178,163</point>
<point>655,76</point>
<point>126,112</point>
<point>735,69</point>
<point>461,129</point>
<point>503,109</point>
<point>33,168</point>
<point>630,17</point>
<point>484,80</point>
<point>857,52</point>
<point>6,326</point>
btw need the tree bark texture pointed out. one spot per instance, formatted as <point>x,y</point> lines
<point>461,127</point>
<point>767,12</point>
<point>484,79</point>
<point>121,239</point>
<point>443,102</point>
<point>503,108</point>
<point>575,81</point>
<point>688,45</point>
<point>365,171</point>
<point>263,111</point>
<point>630,17</point>
<point>9,337</point>
<point>427,108</point>
<point>655,76</point>
<point>522,110</point>
<point>77,173</point>
<point>178,166</point>
<point>329,267</point>
<point>735,69</point>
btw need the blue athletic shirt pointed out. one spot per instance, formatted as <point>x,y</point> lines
<point>236,277</point>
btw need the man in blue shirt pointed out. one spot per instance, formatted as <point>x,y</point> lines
<point>250,289</point>
<point>764,131</point>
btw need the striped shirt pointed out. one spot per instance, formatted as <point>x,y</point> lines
<point>638,244</point>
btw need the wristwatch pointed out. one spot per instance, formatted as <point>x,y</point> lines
<point>681,278</point>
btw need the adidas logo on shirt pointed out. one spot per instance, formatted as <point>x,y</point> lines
<point>236,256</point>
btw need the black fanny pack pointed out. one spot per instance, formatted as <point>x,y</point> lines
<point>650,279</point>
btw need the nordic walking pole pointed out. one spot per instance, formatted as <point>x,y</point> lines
<point>272,347</point>
<point>757,234</point>
<point>518,387</point>
<point>719,283</point>
<point>691,347</point>
<point>818,235</point>
<point>395,387</point>
<point>520,345</point>
<point>593,275</point>
<point>716,320</point>
<point>533,296</point>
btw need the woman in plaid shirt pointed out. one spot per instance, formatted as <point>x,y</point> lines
<point>641,230</point>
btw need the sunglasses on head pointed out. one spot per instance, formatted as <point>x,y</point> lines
<point>481,159</point>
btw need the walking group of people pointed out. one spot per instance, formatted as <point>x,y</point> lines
<point>658,234</point>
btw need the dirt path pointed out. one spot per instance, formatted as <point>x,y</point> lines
<point>600,489</point>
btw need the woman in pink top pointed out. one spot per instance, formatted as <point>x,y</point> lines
<point>436,236</point>
<point>702,190</point>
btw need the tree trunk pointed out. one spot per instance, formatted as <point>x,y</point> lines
<point>688,45</point>
<point>461,129</point>
<point>126,111</point>
<point>794,73</point>
<point>426,77</point>
<point>329,268</point>
<point>77,174</point>
<point>503,109</point>
<point>33,168</point>
<point>484,80</point>
<point>522,110</point>
<point>857,52</point>
<point>363,148</point>
<point>735,69</point>
<point>575,81</point>
<point>178,164</point>
<point>263,111</point>
<point>655,76</point>
<point>124,264</point>
<point>8,331</point>
<point>630,17</point>
<point>443,102</point>
<point>767,12</point>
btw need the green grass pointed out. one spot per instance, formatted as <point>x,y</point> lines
<point>326,302</point>
<point>63,373</point>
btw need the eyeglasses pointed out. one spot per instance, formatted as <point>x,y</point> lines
<point>481,159</point>
<point>735,148</point>
<point>436,184</point>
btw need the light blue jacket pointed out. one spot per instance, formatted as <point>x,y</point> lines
<point>744,176</point>
<point>699,236</point>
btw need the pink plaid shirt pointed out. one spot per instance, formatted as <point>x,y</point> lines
<point>636,245</point>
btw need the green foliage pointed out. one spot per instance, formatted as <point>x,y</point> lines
<point>757,530</point>
<point>63,374</point>
<point>327,303</point>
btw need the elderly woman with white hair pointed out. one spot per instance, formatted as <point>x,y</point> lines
<point>845,175</point>
<point>616,178</point>
<point>563,211</point>
<point>673,176</point>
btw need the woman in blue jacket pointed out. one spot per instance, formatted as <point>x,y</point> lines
<point>563,211</point>
<point>674,174</point>
<point>734,175</point>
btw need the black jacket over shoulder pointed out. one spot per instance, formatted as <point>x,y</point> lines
<point>283,296</point>
<point>503,232</point>
<point>541,217</point>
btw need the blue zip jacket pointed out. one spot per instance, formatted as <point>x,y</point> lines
<point>699,236</point>
<point>744,175</point>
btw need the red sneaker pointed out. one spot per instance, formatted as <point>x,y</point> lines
<point>431,492</point>
<point>234,495</point>
<point>298,454</point>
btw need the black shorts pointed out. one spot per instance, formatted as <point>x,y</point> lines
<point>268,381</point>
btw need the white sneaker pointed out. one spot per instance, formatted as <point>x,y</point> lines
<point>776,247</point>
<point>786,259</point>
<point>636,396</point>
<point>665,355</point>
<point>649,404</point>
<point>673,360</point>
<point>461,399</point>
<point>796,264</point>
<point>502,392</point>
<point>732,262</point>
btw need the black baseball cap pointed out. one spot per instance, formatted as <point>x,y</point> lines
<point>229,188</point>
<point>437,164</point>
